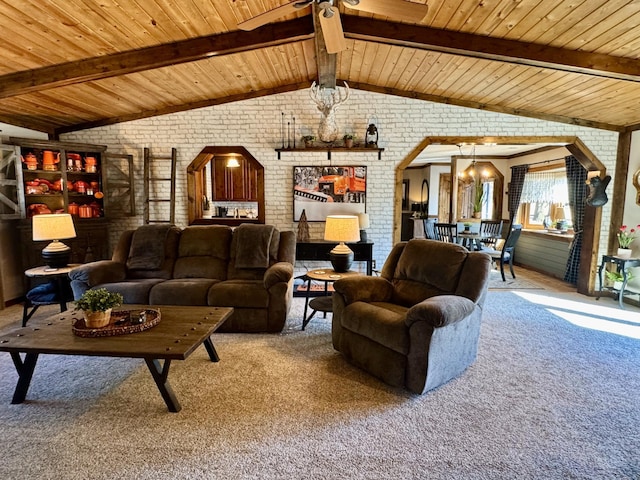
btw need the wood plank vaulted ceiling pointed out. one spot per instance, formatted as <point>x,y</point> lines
<point>67,65</point>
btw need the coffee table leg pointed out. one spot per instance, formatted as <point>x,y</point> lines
<point>160,374</point>
<point>211,350</point>
<point>25,372</point>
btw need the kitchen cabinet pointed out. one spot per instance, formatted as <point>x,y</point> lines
<point>235,183</point>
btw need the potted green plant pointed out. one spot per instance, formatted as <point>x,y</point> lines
<point>348,140</point>
<point>308,140</point>
<point>616,278</point>
<point>96,305</point>
<point>467,226</point>
<point>478,199</point>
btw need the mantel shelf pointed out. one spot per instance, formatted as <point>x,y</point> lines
<point>331,149</point>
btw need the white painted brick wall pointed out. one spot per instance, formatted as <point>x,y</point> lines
<point>256,125</point>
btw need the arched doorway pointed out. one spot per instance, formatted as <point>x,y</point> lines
<point>592,220</point>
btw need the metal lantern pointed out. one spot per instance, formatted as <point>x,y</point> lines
<point>371,138</point>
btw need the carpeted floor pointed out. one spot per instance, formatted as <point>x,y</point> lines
<point>552,395</point>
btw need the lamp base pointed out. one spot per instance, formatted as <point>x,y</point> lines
<point>341,262</point>
<point>56,255</point>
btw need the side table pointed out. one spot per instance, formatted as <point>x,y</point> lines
<point>59,277</point>
<point>323,303</point>
<point>621,266</point>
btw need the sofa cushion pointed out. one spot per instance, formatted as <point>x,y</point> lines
<point>170,241</point>
<point>182,291</point>
<point>381,322</point>
<point>233,272</point>
<point>147,247</point>
<point>203,252</point>
<point>252,245</point>
<point>238,293</point>
<point>133,291</point>
<point>414,281</point>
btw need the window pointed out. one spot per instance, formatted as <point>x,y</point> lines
<point>544,201</point>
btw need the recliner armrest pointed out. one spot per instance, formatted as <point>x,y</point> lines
<point>276,273</point>
<point>440,310</point>
<point>364,289</point>
<point>96,273</point>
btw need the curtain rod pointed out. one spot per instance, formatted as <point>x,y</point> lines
<point>542,161</point>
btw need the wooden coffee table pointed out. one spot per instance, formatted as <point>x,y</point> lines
<point>181,330</point>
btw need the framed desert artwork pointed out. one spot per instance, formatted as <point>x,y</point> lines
<point>322,191</point>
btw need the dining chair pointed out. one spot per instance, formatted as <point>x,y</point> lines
<point>447,232</point>
<point>492,229</point>
<point>429,228</point>
<point>506,254</point>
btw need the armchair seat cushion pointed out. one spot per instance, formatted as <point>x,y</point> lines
<point>381,322</point>
<point>239,293</point>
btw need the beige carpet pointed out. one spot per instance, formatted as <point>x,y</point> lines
<point>546,399</point>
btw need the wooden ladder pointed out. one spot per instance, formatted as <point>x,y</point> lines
<point>156,182</point>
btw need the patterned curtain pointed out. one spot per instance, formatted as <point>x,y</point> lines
<point>577,186</point>
<point>515,189</point>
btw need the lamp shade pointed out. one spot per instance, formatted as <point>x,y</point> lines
<point>559,213</point>
<point>342,228</point>
<point>363,220</point>
<point>54,227</point>
<point>57,226</point>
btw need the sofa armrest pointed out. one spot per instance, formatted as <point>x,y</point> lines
<point>364,288</point>
<point>276,273</point>
<point>440,310</point>
<point>96,273</point>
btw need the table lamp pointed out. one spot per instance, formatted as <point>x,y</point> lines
<point>54,227</point>
<point>363,221</point>
<point>342,228</point>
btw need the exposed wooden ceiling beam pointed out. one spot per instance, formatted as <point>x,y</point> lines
<point>98,68</point>
<point>483,106</point>
<point>478,46</point>
<point>183,107</point>
<point>326,62</point>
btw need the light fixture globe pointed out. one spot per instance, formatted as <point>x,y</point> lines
<point>342,228</point>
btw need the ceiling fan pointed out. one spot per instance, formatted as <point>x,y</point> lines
<point>330,18</point>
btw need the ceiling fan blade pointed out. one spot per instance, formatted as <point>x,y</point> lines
<point>397,9</point>
<point>271,15</point>
<point>332,32</point>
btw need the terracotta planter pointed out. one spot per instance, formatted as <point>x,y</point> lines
<point>97,319</point>
<point>348,142</point>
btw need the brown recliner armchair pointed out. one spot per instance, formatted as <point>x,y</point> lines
<point>417,325</point>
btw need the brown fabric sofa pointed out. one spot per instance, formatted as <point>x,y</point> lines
<point>249,268</point>
<point>417,325</point>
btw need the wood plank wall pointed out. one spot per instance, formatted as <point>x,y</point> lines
<point>543,253</point>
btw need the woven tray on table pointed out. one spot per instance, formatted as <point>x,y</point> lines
<point>122,322</point>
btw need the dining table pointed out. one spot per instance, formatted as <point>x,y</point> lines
<point>473,240</point>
